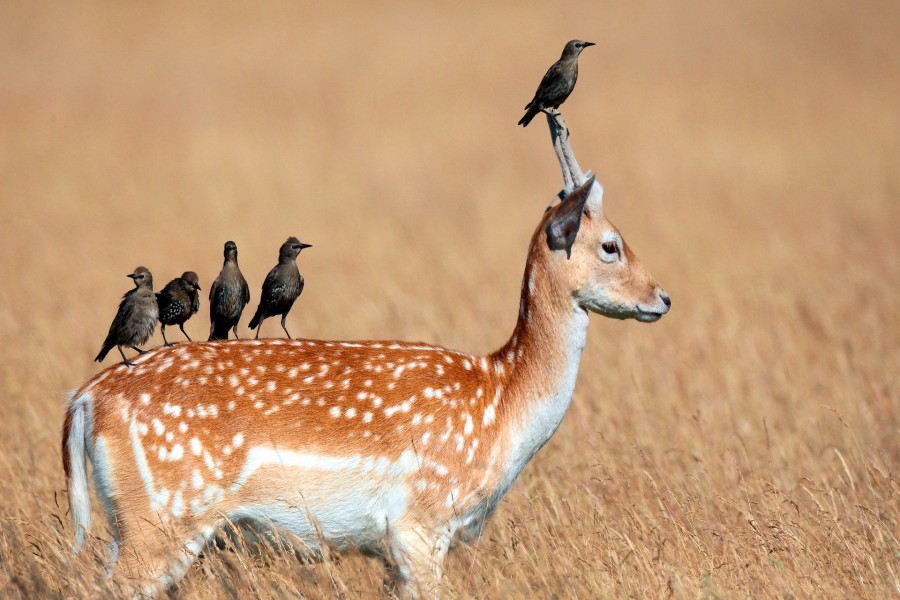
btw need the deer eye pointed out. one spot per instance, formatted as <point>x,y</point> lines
<point>610,247</point>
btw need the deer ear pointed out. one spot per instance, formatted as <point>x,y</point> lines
<point>563,225</point>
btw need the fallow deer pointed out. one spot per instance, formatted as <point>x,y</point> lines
<point>388,446</point>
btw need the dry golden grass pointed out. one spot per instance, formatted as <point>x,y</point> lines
<point>746,445</point>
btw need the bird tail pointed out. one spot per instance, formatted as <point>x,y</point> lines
<point>75,441</point>
<point>254,323</point>
<point>532,111</point>
<point>219,331</point>
<point>103,352</point>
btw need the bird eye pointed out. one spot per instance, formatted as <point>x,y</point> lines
<point>610,247</point>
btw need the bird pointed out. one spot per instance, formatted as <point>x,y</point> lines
<point>136,318</point>
<point>178,302</point>
<point>228,296</point>
<point>282,286</point>
<point>558,82</point>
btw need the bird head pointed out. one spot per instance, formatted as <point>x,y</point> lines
<point>142,277</point>
<point>575,47</point>
<point>230,250</point>
<point>291,248</point>
<point>190,281</point>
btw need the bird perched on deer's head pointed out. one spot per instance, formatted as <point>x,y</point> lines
<point>558,82</point>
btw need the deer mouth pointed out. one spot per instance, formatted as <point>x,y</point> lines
<point>648,316</point>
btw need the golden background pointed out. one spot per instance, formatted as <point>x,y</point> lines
<point>745,445</point>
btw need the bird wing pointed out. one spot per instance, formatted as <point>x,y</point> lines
<point>272,289</point>
<point>245,292</point>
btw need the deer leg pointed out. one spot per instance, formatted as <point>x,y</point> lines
<point>419,554</point>
<point>181,327</point>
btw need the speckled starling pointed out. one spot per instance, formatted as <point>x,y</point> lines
<point>136,318</point>
<point>282,286</point>
<point>228,296</point>
<point>178,302</point>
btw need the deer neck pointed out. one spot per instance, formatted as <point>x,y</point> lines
<point>537,368</point>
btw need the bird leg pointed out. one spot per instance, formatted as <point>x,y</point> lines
<point>234,329</point>
<point>138,350</point>
<point>258,327</point>
<point>162,330</point>
<point>125,361</point>
<point>283,326</point>
<point>181,327</point>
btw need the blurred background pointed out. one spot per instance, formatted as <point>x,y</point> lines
<point>747,444</point>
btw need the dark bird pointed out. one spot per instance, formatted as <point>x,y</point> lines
<point>228,296</point>
<point>178,302</point>
<point>558,82</point>
<point>136,318</point>
<point>282,286</point>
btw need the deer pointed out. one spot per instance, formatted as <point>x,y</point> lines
<point>392,448</point>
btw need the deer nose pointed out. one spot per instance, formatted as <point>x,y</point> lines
<point>665,298</point>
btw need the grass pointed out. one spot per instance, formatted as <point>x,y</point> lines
<point>745,445</point>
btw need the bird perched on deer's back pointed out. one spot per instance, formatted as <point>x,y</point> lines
<point>178,302</point>
<point>282,286</point>
<point>228,296</point>
<point>558,82</point>
<point>136,318</point>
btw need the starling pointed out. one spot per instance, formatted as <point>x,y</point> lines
<point>228,296</point>
<point>282,286</point>
<point>558,82</point>
<point>178,302</point>
<point>136,318</point>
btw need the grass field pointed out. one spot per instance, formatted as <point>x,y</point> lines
<point>748,444</point>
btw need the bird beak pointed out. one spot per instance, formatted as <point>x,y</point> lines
<point>302,245</point>
<point>586,44</point>
<point>198,287</point>
<point>131,275</point>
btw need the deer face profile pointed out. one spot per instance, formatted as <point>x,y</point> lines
<point>595,264</point>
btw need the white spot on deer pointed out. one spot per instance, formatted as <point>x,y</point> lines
<point>467,429</point>
<point>428,392</point>
<point>237,440</point>
<point>196,447</point>
<point>417,418</point>
<point>362,395</point>
<point>158,427</point>
<point>231,404</point>
<point>162,453</point>
<point>484,364</point>
<point>197,480</point>
<point>226,450</point>
<point>182,427</point>
<point>459,441</point>
<point>258,404</point>
<point>177,505</point>
<point>334,411</point>
<point>272,410</point>
<point>376,401</point>
<point>270,386</point>
<point>470,455</point>
<point>252,381</point>
<point>367,417</point>
<point>439,369</point>
<point>177,452</point>
<point>466,365</point>
<point>489,415</point>
<point>145,398</point>
<point>350,413</point>
<point>479,393</point>
<point>233,380</point>
<point>391,385</point>
<point>425,437</point>
<point>169,436</point>
<point>399,371</point>
<point>292,373</point>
